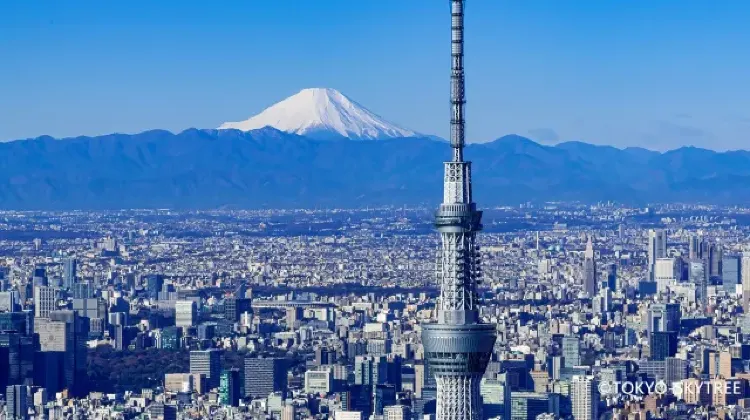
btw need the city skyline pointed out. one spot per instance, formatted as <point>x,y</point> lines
<point>656,75</point>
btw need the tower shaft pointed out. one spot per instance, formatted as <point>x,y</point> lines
<point>458,346</point>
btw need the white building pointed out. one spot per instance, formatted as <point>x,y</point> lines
<point>584,395</point>
<point>186,312</point>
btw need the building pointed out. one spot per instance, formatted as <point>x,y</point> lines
<point>70,267</point>
<point>234,307</point>
<point>663,344</point>
<point>186,313</point>
<point>397,412</point>
<point>530,405</point>
<point>229,387</point>
<point>17,402</point>
<point>657,247</point>
<point>663,317</point>
<point>45,301</point>
<point>589,270</point>
<point>347,415</point>
<point>666,272</point>
<point>264,376</point>
<point>319,381</point>
<point>384,396</point>
<point>584,393</point>
<point>458,334</point>
<point>571,351</point>
<point>698,275</point>
<point>745,278</point>
<point>207,362</point>
<point>731,269</point>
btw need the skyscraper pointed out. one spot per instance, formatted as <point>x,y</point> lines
<point>69,272</point>
<point>17,404</point>
<point>657,247</point>
<point>229,387</point>
<point>571,349</point>
<point>745,278</point>
<point>45,301</point>
<point>589,270</point>
<point>458,346</point>
<point>730,273</point>
<point>264,376</point>
<point>207,362</point>
<point>584,394</point>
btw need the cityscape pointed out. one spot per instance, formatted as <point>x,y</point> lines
<point>540,309</point>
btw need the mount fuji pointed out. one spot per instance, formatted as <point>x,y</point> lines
<point>322,114</point>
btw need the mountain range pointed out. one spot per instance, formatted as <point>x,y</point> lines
<point>320,160</point>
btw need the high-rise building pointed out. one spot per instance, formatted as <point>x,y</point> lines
<point>698,274</point>
<point>70,268</point>
<point>657,246</point>
<point>207,362</point>
<point>458,346</point>
<point>229,387</point>
<point>589,270</point>
<point>612,283</point>
<point>529,405</point>
<point>745,278</point>
<point>45,301</point>
<point>16,358</point>
<point>571,351</point>
<point>666,273</point>
<point>264,376</point>
<point>584,393</point>
<point>731,268</point>
<point>663,317</point>
<point>383,396</point>
<point>234,307</point>
<point>662,344</point>
<point>186,312</point>
<point>319,381</point>
<point>17,402</point>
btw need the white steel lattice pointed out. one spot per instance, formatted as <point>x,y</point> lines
<point>458,398</point>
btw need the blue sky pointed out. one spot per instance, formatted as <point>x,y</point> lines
<point>651,73</point>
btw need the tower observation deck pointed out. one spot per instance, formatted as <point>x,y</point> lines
<point>458,346</point>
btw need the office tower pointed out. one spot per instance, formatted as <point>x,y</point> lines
<point>370,370</point>
<point>698,274</point>
<point>397,412</point>
<point>745,278</point>
<point>70,267</point>
<point>663,317</point>
<point>154,284</point>
<point>16,402</point>
<point>83,290</point>
<point>589,270</point>
<point>234,307</point>
<point>529,405</point>
<point>383,396</point>
<point>495,395</point>
<point>666,273</point>
<point>696,247</point>
<point>264,376</point>
<point>65,332</point>
<point>571,351</point>
<point>89,308</point>
<point>16,359</point>
<point>170,338</point>
<point>657,246</point>
<point>229,387</point>
<point>186,312</point>
<point>612,283</point>
<point>45,301</point>
<point>663,344</point>
<point>676,370</point>
<point>39,277</point>
<point>730,273</point>
<point>584,393</point>
<point>458,346</point>
<point>207,362</point>
<point>714,260</point>
<point>20,322</point>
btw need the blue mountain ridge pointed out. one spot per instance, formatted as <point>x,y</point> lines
<point>200,169</point>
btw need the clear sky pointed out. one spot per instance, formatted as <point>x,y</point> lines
<point>652,73</point>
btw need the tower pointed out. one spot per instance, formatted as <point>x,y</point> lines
<point>458,346</point>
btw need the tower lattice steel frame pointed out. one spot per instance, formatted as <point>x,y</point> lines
<point>458,346</point>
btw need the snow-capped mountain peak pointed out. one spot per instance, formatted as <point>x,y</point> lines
<point>322,113</point>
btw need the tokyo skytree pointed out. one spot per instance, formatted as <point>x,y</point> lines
<point>458,347</point>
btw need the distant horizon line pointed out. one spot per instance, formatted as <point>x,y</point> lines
<point>505,137</point>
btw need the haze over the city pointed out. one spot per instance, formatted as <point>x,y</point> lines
<point>653,74</point>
